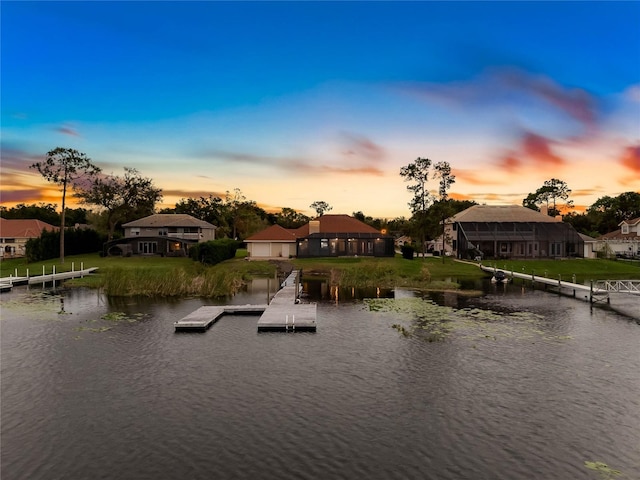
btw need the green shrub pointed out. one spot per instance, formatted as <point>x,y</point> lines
<point>407,252</point>
<point>215,251</point>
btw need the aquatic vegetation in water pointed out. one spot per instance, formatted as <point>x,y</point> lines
<point>605,472</point>
<point>434,322</point>
<point>118,317</point>
<point>37,304</point>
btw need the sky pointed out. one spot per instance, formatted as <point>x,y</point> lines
<point>296,102</point>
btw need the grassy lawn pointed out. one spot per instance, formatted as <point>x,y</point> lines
<point>171,276</point>
<point>582,268</point>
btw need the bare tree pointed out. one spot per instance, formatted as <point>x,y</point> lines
<point>66,167</point>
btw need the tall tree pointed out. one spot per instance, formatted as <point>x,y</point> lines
<point>67,168</point>
<point>418,173</point>
<point>122,198</point>
<point>551,191</point>
<point>442,172</point>
<point>320,207</point>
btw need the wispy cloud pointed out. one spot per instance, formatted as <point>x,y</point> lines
<point>532,150</point>
<point>362,148</point>
<point>511,87</point>
<point>67,130</point>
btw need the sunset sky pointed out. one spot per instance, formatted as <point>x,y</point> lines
<point>293,102</point>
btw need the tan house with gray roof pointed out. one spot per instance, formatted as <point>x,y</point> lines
<point>168,234</point>
<point>510,231</point>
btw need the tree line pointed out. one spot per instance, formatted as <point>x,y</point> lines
<point>118,199</point>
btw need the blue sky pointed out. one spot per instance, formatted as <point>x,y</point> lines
<point>294,102</point>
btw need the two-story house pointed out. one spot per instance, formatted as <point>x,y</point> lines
<point>161,234</point>
<point>15,233</point>
<point>624,242</point>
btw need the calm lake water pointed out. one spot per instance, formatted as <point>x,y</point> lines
<point>515,384</point>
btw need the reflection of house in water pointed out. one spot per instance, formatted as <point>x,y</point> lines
<point>161,234</point>
<point>326,236</point>
<point>510,231</point>
<point>15,233</point>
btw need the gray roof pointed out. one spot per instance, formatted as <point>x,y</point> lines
<point>501,213</point>
<point>169,220</point>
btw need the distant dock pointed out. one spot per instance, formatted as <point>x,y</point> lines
<point>7,283</point>
<point>283,313</point>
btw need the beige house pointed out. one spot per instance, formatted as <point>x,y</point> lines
<point>510,231</point>
<point>624,242</point>
<point>168,234</point>
<point>14,235</point>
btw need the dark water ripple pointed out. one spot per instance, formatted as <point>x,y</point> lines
<point>354,400</point>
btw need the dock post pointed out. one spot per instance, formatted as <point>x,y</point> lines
<point>559,284</point>
<point>82,269</point>
<point>296,294</point>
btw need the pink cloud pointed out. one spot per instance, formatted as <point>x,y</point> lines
<point>67,131</point>
<point>538,148</point>
<point>631,158</point>
<point>362,147</point>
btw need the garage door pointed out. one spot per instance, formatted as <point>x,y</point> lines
<point>260,250</point>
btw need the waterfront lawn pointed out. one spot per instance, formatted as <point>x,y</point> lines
<point>596,269</point>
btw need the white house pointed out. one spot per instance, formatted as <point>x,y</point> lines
<point>624,242</point>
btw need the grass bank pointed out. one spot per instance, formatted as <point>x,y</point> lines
<point>149,276</point>
<point>126,276</point>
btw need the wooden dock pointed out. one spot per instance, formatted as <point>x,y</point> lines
<point>7,283</point>
<point>206,316</point>
<point>598,290</point>
<point>283,313</point>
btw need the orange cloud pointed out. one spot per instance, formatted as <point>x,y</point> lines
<point>472,177</point>
<point>631,158</point>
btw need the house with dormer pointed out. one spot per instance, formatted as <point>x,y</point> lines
<point>624,242</point>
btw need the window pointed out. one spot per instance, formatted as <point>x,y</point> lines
<point>324,243</point>
<point>625,228</point>
<point>147,247</point>
<point>135,231</point>
<point>162,232</point>
<point>556,249</point>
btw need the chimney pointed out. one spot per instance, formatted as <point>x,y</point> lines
<point>314,226</point>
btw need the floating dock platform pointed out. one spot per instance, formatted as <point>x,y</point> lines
<point>206,316</point>
<point>283,313</point>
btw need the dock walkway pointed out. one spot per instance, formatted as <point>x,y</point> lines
<point>7,283</point>
<point>283,313</point>
<point>597,289</point>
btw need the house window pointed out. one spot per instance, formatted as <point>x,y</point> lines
<point>162,232</point>
<point>9,240</point>
<point>173,230</point>
<point>135,231</point>
<point>370,248</point>
<point>505,247</point>
<point>625,228</point>
<point>556,249</point>
<point>324,243</point>
<point>455,227</point>
<point>147,247</point>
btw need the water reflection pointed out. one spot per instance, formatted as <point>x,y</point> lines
<point>537,398</point>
